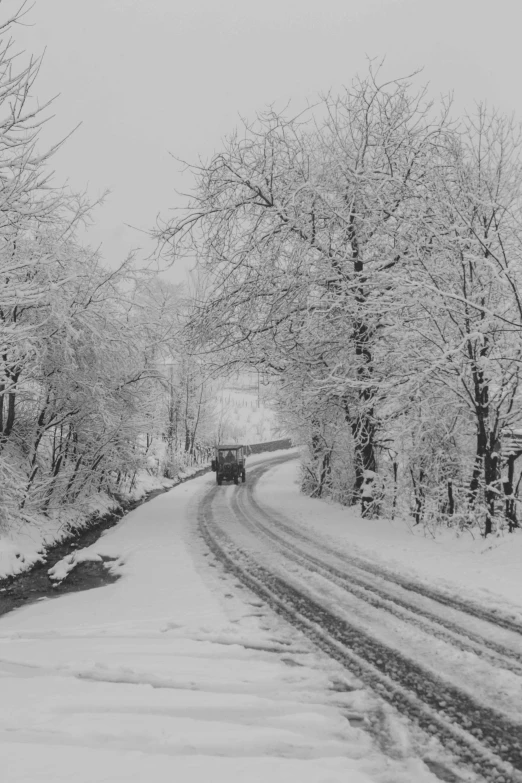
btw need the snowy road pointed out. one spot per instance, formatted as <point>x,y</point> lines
<point>386,642</point>
<point>450,664</point>
<point>176,673</point>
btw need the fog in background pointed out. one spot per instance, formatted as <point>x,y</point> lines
<point>151,77</point>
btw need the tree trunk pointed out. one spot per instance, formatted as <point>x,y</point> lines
<point>363,425</point>
<point>363,433</point>
<point>451,499</point>
<point>322,462</point>
<point>487,464</point>
<point>11,413</point>
<point>492,478</point>
<point>420,495</point>
<point>510,509</point>
<point>395,488</point>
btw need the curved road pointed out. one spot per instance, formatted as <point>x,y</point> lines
<point>451,666</point>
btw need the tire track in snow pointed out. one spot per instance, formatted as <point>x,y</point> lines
<point>438,707</point>
<point>439,596</point>
<point>350,580</point>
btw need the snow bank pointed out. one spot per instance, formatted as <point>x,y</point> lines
<point>18,555</point>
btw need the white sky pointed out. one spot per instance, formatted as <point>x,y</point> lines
<point>149,77</point>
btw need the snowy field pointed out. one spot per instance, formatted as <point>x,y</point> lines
<point>177,673</point>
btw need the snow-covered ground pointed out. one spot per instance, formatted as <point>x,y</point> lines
<point>23,546</point>
<point>487,571</point>
<point>176,673</point>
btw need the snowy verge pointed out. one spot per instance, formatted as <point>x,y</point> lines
<point>482,570</point>
<point>25,546</point>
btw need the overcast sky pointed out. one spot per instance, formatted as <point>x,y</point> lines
<point>149,77</point>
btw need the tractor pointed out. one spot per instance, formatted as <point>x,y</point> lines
<point>229,464</point>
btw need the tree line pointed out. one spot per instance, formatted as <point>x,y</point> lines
<point>94,383</point>
<point>367,255</point>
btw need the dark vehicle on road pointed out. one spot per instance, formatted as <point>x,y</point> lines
<point>229,464</point>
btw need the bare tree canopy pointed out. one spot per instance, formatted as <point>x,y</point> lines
<point>366,253</point>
